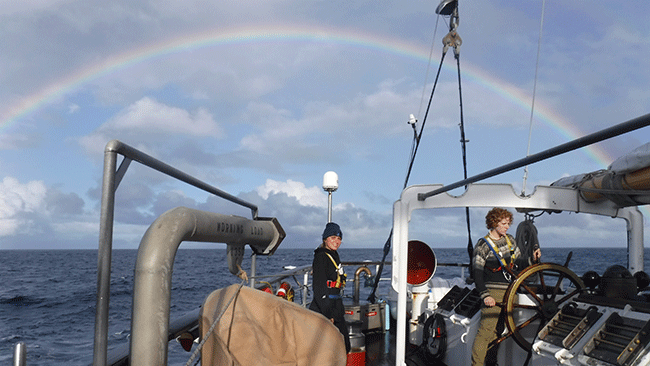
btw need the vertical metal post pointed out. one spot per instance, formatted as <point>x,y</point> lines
<point>19,354</point>
<point>253,269</point>
<point>330,184</point>
<point>104,259</point>
<point>400,272</point>
<point>304,288</point>
<point>329,206</point>
<point>635,245</point>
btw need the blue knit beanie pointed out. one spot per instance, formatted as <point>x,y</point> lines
<point>332,229</point>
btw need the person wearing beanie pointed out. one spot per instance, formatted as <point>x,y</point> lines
<point>329,280</point>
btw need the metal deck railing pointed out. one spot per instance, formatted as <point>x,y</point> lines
<point>111,180</point>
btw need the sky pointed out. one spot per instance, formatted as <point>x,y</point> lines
<point>260,99</point>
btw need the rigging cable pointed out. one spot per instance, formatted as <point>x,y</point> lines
<point>412,121</point>
<point>424,121</point>
<point>414,149</point>
<point>532,108</point>
<point>463,142</point>
<point>426,75</point>
<point>453,39</point>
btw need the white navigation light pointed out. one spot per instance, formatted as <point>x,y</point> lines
<point>330,181</point>
<point>412,120</point>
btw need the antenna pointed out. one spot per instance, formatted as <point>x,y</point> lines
<point>532,106</point>
<point>330,184</point>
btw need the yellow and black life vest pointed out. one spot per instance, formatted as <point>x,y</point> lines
<point>340,275</point>
<point>499,256</point>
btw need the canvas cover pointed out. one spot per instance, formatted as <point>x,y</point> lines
<point>637,159</point>
<point>261,329</point>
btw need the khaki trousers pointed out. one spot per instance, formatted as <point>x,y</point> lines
<point>487,329</point>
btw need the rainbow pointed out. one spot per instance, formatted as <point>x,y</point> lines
<point>354,38</point>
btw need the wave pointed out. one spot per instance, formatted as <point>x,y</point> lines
<point>20,300</point>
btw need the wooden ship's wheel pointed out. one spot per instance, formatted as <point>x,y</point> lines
<point>549,286</point>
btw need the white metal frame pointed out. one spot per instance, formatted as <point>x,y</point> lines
<point>491,195</point>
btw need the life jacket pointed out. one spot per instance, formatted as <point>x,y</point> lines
<point>340,275</point>
<point>499,256</point>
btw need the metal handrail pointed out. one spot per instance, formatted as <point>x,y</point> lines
<point>111,181</point>
<point>276,278</point>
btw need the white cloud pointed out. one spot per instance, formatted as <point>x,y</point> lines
<point>312,196</point>
<point>148,114</point>
<point>72,108</point>
<point>16,199</point>
<point>19,141</point>
<point>147,124</point>
<point>8,7</point>
<point>319,127</point>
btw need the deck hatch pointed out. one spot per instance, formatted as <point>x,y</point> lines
<point>465,301</point>
<point>569,325</point>
<point>619,340</point>
<point>470,305</point>
<point>453,297</point>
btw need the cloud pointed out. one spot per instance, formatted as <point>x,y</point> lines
<point>148,122</point>
<point>324,130</point>
<point>18,141</point>
<point>59,203</point>
<point>9,7</point>
<point>17,199</point>
<point>72,108</point>
<point>312,196</point>
<point>33,216</point>
<point>149,115</point>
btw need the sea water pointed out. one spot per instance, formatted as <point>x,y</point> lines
<point>48,298</point>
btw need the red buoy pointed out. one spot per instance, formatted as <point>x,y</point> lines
<point>285,291</point>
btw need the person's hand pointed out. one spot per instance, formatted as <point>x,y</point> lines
<point>489,301</point>
<point>537,254</point>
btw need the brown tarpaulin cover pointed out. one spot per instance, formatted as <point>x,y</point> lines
<point>266,330</point>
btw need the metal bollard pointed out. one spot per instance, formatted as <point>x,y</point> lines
<point>19,354</point>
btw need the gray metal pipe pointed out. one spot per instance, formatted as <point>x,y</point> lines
<point>153,271</point>
<point>366,270</point>
<point>634,220</point>
<point>111,181</point>
<point>104,259</point>
<point>137,155</point>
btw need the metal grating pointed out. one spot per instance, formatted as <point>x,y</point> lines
<point>569,325</point>
<point>619,340</point>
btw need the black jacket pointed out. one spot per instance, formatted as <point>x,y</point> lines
<point>324,270</point>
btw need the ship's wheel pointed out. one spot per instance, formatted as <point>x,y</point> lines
<point>549,286</point>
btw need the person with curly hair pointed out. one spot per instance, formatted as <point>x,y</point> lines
<point>495,256</point>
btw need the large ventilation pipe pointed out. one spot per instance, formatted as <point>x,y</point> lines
<point>153,269</point>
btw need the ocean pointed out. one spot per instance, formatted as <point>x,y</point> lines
<point>47,298</point>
